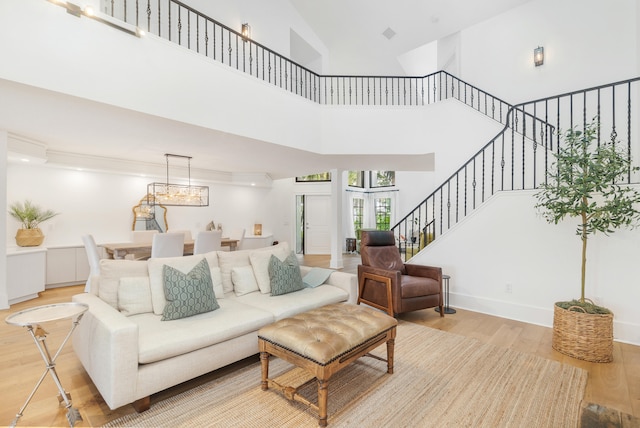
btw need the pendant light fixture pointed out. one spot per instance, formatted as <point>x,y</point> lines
<point>177,194</point>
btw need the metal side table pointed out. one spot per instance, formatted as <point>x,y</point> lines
<point>447,308</point>
<point>31,319</point>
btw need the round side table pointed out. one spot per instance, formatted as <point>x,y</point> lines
<point>31,319</point>
<point>447,308</point>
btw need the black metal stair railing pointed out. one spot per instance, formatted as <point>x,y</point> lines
<point>519,157</point>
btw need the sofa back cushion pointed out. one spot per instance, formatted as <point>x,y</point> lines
<point>134,295</point>
<point>185,265</point>
<point>260,263</point>
<point>111,271</point>
<point>231,259</point>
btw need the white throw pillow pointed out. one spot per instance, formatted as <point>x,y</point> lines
<point>184,265</point>
<point>134,295</point>
<point>228,260</point>
<point>244,281</point>
<point>110,273</point>
<point>260,263</point>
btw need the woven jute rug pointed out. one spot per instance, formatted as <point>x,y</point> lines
<point>440,380</point>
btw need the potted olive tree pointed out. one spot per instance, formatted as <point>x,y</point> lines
<point>30,216</point>
<point>583,183</point>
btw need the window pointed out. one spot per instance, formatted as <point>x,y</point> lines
<point>356,179</point>
<point>382,178</point>
<point>357,214</point>
<point>323,176</point>
<point>383,213</point>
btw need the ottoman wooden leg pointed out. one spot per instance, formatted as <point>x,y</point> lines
<point>323,393</point>
<point>390,347</point>
<point>264,364</point>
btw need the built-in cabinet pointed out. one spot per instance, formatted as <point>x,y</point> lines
<point>25,273</point>
<point>66,266</point>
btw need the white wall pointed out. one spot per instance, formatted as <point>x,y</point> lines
<point>507,242</point>
<point>100,204</point>
<point>4,297</point>
<point>586,43</point>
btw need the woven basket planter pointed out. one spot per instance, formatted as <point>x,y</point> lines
<point>29,237</point>
<point>587,337</point>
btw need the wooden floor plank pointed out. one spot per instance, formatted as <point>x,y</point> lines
<point>615,385</point>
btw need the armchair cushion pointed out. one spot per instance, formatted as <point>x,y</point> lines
<point>416,286</point>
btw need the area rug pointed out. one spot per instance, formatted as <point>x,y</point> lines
<point>440,380</point>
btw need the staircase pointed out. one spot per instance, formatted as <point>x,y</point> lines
<point>517,158</point>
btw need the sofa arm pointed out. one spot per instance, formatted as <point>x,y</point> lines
<point>346,281</point>
<point>106,342</point>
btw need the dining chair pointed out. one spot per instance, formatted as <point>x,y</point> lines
<point>93,256</point>
<point>207,241</point>
<point>167,245</point>
<point>143,236</point>
<point>186,233</point>
<point>237,234</point>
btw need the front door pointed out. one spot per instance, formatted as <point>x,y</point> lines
<point>317,230</point>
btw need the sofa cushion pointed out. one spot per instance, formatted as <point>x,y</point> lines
<point>162,340</point>
<point>243,280</point>
<point>183,264</point>
<point>134,295</point>
<point>285,275</point>
<point>293,303</point>
<point>260,263</point>
<point>110,273</point>
<point>230,259</point>
<point>189,293</point>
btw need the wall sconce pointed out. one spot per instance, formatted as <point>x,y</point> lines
<point>246,31</point>
<point>538,56</point>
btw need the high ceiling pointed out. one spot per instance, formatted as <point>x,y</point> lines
<point>67,124</point>
<point>353,29</point>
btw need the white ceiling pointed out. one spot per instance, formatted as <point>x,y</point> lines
<point>354,28</point>
<point>71,125</point>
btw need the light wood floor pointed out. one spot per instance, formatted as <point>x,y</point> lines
<point>615,385</point>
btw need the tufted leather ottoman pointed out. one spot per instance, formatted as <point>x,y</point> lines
<point>323,341</point>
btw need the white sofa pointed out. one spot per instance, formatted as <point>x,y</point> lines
<point>130,353</point>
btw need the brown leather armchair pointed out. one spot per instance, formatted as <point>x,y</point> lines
<point>387,283</point>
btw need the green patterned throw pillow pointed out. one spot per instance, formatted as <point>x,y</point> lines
<point>188,294</point>
<point>285,275</point>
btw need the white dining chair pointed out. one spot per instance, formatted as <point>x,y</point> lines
<point>186,233</point>
<point>207,241</point>
<point>167,245</point>
<point>93,256</point>
<point>238,235</point>
<point>142,236</point>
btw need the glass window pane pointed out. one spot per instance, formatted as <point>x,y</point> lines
<point>382,178</point>
<point>323,176</point>
<point>356,179</point>
<point>383,213</point>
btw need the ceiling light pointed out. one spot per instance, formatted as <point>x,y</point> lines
<point>177,194</point>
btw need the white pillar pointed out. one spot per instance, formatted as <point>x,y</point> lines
<point>337,237</point>
<point>4,296</point>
